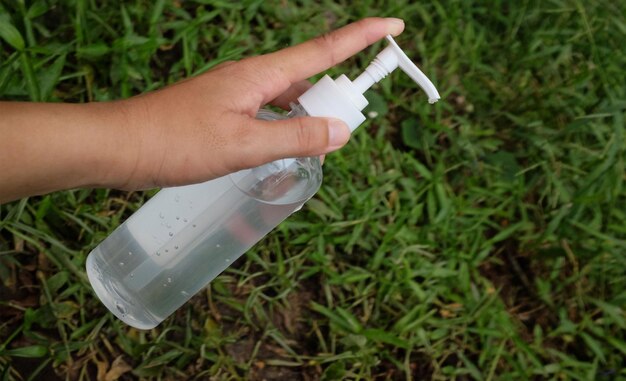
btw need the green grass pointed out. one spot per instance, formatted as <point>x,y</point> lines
<point>482,238</point>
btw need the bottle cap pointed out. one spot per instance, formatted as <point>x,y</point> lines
<point>343,98</point>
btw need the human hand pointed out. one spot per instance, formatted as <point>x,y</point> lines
<point>190,132</point>
<point>205,127</point>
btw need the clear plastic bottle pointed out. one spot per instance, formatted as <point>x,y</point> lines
<point>183,237</point>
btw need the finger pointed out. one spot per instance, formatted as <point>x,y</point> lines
<point>304,60</point>
<point>297,137</point>
<point>292,93</point>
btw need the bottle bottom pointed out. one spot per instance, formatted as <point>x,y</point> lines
<point>184,237</point>
<point>116,299</point>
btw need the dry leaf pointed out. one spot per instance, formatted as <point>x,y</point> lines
<point>102,369</point>
<point>118,367</point>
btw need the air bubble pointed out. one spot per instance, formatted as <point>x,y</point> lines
<point>120,308</point>
<point>158,254</point>
<point>185,220</point>
<point>184,293</point>
<point>176,247</point>
<point>171,234</point>
<point>130,253</point>
<point>227,260</point>
<point>218,245</point>
<point>177,217</point>
<point>132,275</point>
<point>167,251</point>
<point>169,280</point>
<point>194,225</point>
<point>161,216</point>
<point>121,263</point>
<point>169,226</point>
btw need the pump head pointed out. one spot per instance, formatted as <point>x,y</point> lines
<point>344,99</point>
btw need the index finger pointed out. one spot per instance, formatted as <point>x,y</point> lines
<point>309,58</point>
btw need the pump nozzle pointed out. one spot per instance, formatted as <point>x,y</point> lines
<point>344,99</point>
<point>386,62</point>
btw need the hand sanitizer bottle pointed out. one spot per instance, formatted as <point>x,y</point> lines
<point>182,238</point>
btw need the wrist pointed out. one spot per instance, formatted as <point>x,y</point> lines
<point>111,145</point>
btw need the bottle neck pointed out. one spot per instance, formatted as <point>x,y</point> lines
<point>296,110</point>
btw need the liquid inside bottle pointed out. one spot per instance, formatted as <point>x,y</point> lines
<point>183,237</point>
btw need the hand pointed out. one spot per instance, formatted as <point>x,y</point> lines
<point>205,127</point>
<point>192,131</point>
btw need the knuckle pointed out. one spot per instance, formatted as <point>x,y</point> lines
<point>305,135</point>
<point>326,42</point>
<point>247,70</point>
<point>255,72</point>
<point>244,144</point>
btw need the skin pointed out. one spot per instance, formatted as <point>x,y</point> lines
<point>193,131</point>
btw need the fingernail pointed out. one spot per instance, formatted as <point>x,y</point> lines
<point>395,25</point>
<point>338,134</point>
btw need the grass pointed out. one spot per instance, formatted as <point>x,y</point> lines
<point>483,238</point>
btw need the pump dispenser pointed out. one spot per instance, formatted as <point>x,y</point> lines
<point>183,237</point>
<point>343,99</point>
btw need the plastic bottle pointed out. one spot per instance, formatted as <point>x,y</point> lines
<point>183,237</point>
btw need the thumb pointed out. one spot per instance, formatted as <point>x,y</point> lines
<point>298,137</point>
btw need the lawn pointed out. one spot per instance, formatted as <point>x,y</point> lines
<point>481,238</point>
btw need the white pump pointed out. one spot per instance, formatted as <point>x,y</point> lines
<point>344,99</point>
